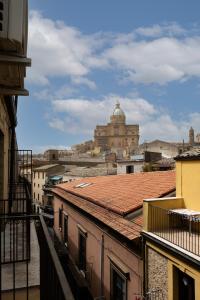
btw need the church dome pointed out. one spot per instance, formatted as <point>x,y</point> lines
<point>118,111</point>
<point>118,116</point>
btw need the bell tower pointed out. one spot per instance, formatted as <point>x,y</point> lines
<point>191,136</point>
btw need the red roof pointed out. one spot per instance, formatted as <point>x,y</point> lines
<point>122,194</point>
<point>126,228</point>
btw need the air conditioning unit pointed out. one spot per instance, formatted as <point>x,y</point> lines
<point>14,25</point>
<point>13,46</point>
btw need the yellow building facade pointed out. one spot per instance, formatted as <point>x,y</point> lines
<point>171,235</point>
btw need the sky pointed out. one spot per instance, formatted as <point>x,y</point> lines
<point>88,54</point>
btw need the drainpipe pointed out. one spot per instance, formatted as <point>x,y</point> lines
<point>102,266</point>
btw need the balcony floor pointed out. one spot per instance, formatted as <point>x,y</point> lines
<point>21,267</point>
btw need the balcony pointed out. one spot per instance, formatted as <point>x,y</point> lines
<point>29,265</point>
<point>170,221</point>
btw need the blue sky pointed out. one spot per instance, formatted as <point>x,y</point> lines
<point>88,54</point>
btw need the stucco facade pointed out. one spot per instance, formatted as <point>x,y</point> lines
<point>171,234</point>
<point>102,251</point>
<point>40,177</point>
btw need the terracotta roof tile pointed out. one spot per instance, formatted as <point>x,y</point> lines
<point>109,198</point>
<point>123,194</point>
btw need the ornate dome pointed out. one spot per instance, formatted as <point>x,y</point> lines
<point>118,116</point>
<point>118,111</point>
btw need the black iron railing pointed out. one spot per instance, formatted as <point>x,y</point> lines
<point>179,229</point>
<point>22,273</point>
<point>22,268</point>
<point>53,282</point>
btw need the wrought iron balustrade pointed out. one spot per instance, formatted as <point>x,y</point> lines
<point>179,229</point>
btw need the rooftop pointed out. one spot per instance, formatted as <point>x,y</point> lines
<point>189,155</point>
<point>45,167</point>
<point>109,199</point>
<point>122,194</point>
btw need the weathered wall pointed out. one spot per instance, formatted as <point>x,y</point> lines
<point>157,272</point>
<point>112,248</point>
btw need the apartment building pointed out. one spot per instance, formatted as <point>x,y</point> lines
<point>41,176</point>
<point>99,220</point>
<point>172,235</point>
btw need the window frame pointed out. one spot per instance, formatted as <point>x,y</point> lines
<point>82,261</point>
<point>60,218</point>
<point>65,229</point>
<point>124,277</point>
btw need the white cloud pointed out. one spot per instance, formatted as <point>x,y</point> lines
<point>59,50</point>
<point>57,124</point>
<point>80,117</point>
<point>156,54</point>
<point>157,61</point>
<point>171,29</point>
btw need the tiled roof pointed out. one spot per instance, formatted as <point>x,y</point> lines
<point>126,228</point>
<point>188,155</point>
<point>122,194</point>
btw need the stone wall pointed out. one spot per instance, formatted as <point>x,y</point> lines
<point>157,272</point>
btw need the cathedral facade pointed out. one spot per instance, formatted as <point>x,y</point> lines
<point>116,135</point>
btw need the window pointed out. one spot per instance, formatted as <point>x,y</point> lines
<point>38,185</point>
<point>129,169</point>
<point>82,250</point>
<point>38,175</point>
<point>60,217</point>
<point>118,282</point>
<point>65,236</point>
<point>34,184</point>
<point>38,197</point>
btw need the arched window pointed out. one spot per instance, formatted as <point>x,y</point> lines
<point>1,5</point>
<point>1,16</point>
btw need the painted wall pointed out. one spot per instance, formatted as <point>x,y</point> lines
<point>112,249</point>
<point>38,182</point>
<point>170,262</point>
<point>188,183</point>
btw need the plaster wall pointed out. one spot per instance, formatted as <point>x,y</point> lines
<point>188,183</point>
<point>112,249</point>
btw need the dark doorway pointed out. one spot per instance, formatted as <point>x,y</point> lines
<point>186,286</point>
<point>129,169</point>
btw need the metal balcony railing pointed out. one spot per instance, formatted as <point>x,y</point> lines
<point>28,270</point>
<point>180,229</point>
